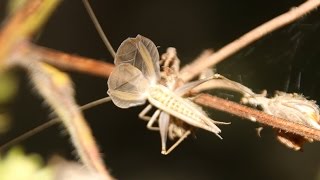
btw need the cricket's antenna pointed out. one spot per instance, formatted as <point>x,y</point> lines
<point>98,27</point>
<point>48,124</point>
<point>29,133</point>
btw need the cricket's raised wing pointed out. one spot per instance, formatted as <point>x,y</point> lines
<point>137,67</point>
<point>127,86</point>
<point>143,54</point>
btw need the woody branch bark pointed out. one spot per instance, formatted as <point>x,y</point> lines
<point>263,118</point>
<point>72,62</point>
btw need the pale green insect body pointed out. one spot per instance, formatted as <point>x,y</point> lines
<point>166,100</point>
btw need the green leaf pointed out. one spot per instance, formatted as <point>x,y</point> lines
<point>18,166</point>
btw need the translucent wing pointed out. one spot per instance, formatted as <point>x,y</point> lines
<point>143,54</point>
<point>127,86</point>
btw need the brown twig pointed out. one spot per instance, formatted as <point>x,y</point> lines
<point>72,62</point>
<point>23,24</point>
<point>197,66</point>
<point>259,116</point>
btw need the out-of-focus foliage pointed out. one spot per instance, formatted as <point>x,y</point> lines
<point>4,122</point>
<point>8,89</point>
<point>14,5</point>
<point>69,170</point>
<point>15,165</point>
<point>22,24</point>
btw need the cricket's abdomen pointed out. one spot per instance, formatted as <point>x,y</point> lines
<point>166,100</point>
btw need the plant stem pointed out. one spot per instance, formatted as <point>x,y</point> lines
<point>72,62</point>
<point>259,116</point>
<point>196,67</point>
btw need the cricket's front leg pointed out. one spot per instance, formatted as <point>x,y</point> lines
<point>152,120</point>
<point>143,114</point>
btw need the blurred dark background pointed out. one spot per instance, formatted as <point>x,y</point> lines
<point>131,151</point>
